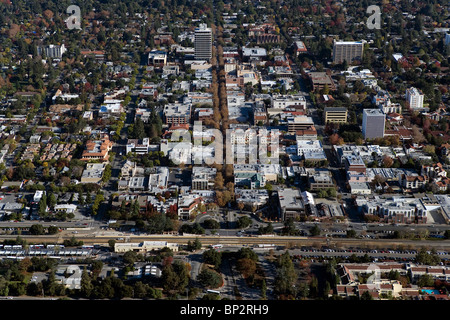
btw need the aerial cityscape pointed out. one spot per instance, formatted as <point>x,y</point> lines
<point>253,150</point>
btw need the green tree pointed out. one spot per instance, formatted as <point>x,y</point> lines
<point>175,277</point>
<point>51,200</point>
<point>424,257</point>
<point>213,257</point>
<point>111,243</point>
<point>195,245</point>
<point>80,199</point>
<point>129,257</point>
<point>209,278</point>
<point>263,290</point>
<point>366,296</point>
<point>211,224</point>
<point>37,229</point>
<point>139,130</point>
<point>289,227</point>
<point>243,222</point>
<point>351,233</point>
<point>286,277</point>
<point>425,280</point>
<point>140,290</point>
<point>52,230</point>
<point>86,286</point>
<point>315,231</point>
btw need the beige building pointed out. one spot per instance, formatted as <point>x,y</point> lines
<point>144,247</point>
<point>335,114</point>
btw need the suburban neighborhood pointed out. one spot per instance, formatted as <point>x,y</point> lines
<point>224,150</point>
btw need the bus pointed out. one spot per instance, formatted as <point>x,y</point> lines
<point>217,246</point>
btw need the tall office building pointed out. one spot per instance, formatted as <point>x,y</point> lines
<point>347,50</point>
<point>373,123</point>
<point>414,98</point>
<point>203,43</point>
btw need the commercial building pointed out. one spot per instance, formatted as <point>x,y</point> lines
<point>299,123</point>
<point>359,188</point>
<point>335,114</point>
<point>289,101</point>
<point>320,179</point>
<point>294,203</point>
<point>177,113</point>
<point>158,179</point>
<point>138,146</point>
<point>354,163</point>
<point>93,173</point>
<point>300,47</point>
<point>255,175</point>
<point>157,58</point>
<point>309,146</point>
<point>306,134</point>
<point>400,209</point>
<point>347,51</point>
<point>291,203</point>
<point>254,54</point>
<point>187,205</point>
<point>144,247</point>
<point>252,197</point>
<point>203,43</point>
<point>320,80</point>
<point>203,178</point>
<point>373,123</point>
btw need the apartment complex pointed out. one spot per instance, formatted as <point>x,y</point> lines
<point>347,51</point>
<point>414,98</point>
<point>51,51</point>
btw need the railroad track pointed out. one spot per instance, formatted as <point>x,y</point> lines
<point>234,240</point>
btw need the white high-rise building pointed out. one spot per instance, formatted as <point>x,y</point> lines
<point>203,43</point>
<point>415,98</point>
<point>348,51</point>
<point>52,51</point>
